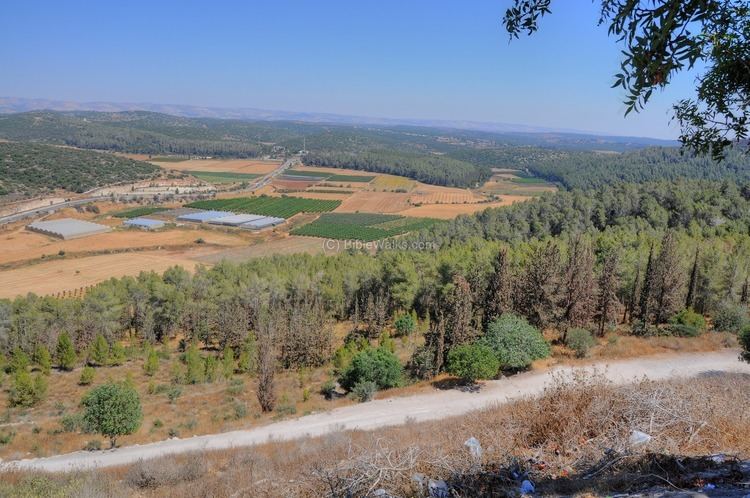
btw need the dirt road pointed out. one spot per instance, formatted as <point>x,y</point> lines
<point>395,411</point>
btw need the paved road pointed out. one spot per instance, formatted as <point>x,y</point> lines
<point>394,411</point>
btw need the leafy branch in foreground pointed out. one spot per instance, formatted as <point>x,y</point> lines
<point>664,37</point>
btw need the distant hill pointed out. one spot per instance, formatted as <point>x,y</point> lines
<point>35,168</point>
<point>529,134</point>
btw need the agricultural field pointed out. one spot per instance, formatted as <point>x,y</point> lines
<point>137,212</point>
<point>282,207</point>
<point>450,211</point>
<point>224,176</point>
<point>366,227</point>
<point>375,202</point>
<point>516,182</point>
<point>250,166</point>
<point>350,178</point>
<point>433,194</point>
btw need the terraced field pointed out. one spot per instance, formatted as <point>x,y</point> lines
<point>282,207</point>
<point>366,227</point>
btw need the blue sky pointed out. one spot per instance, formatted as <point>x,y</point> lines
<point>403,59</point>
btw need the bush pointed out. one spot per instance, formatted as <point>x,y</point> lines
<point>196,367</point>
<point>328,389</point>
<point>173,393</point>
<point>405,324</point>
<point>472,362</point>
<point>422,363</point>
<point>364,391</point>
<point>210,367</point>
<point>227,363</point>
<point>151,364</point>
<point>87,376</point>
<point>580,341</point>
<point>375,365</point>
<point>118,355</point>
<point>169,472</point>
<point>688,323</point>
<point>515,342</point>
<point>71,423</point>
<point>112,410</point>
<point>744,338</point>
<point>93,445</point>
<point>730,318</point>
<point>26,390</point>
<point>19,360</point>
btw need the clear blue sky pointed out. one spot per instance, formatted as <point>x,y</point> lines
<point>386,58</point>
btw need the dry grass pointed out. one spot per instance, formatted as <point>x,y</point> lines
<point>433,194</point>
<point>223,165</point>
<point>450,211</point>
<point>572,439</point>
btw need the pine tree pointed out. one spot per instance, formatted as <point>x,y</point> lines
<point>693,282</point>
<point>268,331</point>
<point>43,359</point>
<point>644,302</point>
<point>499,294</point>
<point>669,279</point>
<point>578,285</point>
<point>196,367</point>
<point>607,299</point>
<point>227,362</point>
<point>539,286</point>
<point>459,314</point>
<point>99,353</point>
<point>65,353</point>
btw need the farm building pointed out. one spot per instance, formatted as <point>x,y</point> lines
<point>265,222</point>
<point>204,216</point>
<point>235,219</point>
<point>144,223</point>
<point>67,228</point>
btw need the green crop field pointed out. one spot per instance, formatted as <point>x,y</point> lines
<point>303,173</point>
<point>366,227</point>
<point>139,211</point>
<point>223,176</point>
<point>282,207</point>
<point>350,178</point>
<point>529,180</point>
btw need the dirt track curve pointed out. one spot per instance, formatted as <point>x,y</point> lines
<point>396,411</point>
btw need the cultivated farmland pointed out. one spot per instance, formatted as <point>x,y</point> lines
<point>282,207</point>
<point>137,212</point>
<point>223,176</point>
<point>362,226</point>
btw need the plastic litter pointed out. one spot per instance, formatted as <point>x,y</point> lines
<point>638,437</point>
<point>527,487</point>
<point>438,489</point>
<point>475,448</point>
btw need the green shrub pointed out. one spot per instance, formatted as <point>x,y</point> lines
<point>210,367</point>
<point>405,324</point>
<point>118,355</point>
<point>71,423</point>
<point>730,318</point>
<point>227,362</point>
<point>112,410</point>
<point>196,367</point>
<point>93,445</point>
<point>422,363</point>
<point>19,360</point>
<point>343,355</point>
<point>744,338</point>
<point>328,389</point>
<point>580,341</point>
<point>26,390</point>
<point>472,362</point>
<point>515,342</point>
<point>173,392</point>
<point>87,376</point>
<point>364,391</point>
<point>688,323</point>
<point>375,365</point>
<point>65,353</point>
<point>151,364</point>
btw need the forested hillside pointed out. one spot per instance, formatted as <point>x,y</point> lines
<point>34,168</point>
<point>591,170</point>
